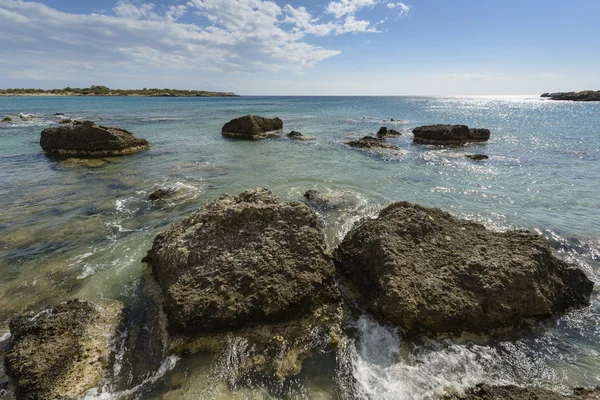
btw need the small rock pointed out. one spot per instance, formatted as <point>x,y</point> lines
<point>382,132</point>
<point>299,136</point>
<point>57,114</point>
<point>369,142</point>
<point>162,193</point>
<point>26,117</point>
<point>66,121</point>
<point>477,157</point>
<point>7,119</point>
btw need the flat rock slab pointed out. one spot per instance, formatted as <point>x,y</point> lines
<point>242,260</point>
<point>62,351</point>
<point>449,134</point>
<point>428,272</point>
<point>369,142</point>
<point>86,139</point>
<point>251,127</point>
<point>511,392</point>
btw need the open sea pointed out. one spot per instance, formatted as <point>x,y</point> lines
<point>75,231</point>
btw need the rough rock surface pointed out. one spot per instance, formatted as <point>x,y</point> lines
<point>7,119</point>
<point>477,157</point>
<point>67,121</point>
<point>449,134</point>
<point>586,95</point>
<point>251,127</point>
<point>369,142</point>
<point>299,136</point>
<point>242,260</point>
<point>86,139</point>
<point>62,351</point>
<point>429,273</point>
<point>162,193</point>
<point>511,392</point>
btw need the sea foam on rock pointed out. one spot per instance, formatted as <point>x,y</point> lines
<point>251,265</point>
<point>251,127</point>
<point>428,272</point>
<point>449,134</point>
<point>63,351</point>
<point>86,139</point>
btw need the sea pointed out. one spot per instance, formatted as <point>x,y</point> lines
<point>75,230</point>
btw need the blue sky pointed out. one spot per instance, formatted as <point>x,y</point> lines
<point>304,47</point>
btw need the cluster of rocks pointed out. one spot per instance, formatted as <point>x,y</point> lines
<point>449,134</point>
<point>370,142</point>
<point>253,267</point>
<point>586,95</point>
<point>511,392</point>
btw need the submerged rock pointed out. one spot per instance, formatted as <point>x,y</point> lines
<point>251,127</point>
<point>6,119</point>
<point>86,139</point>
<point>384,133</point>
<point>85,162</point>
<point>428,272</point>
<point>449,134</point>
<point>248,264</point>
<point>67,121</point>
<point>62,351</point>
<point>477,157</point>
<point>299,136</point>
<point>369,142</point>
<point>25,117</point>
<point>511,392</point>
<point>162,193</point>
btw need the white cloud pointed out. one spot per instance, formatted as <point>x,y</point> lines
<point>348,7</point>
<point>128,10</point>
<point>403,8</point>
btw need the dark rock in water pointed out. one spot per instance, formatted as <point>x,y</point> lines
<point>57,114</point>
<point>251,127</point>
<point>586,95</point>
<point>299,136</point>
<point>240,261</point>
<point>393,132</point>
<point>382,131</point>
<point>511,392</point>
<point>312,195</point>
<point>449,134</point>
<point>25,117</point>
<point>67,121</point>
<point>252,265</point>
<point>6,119</point>
<point>86,139</point>
<point>477,157</point>
<point>62,351</point>
<point>162,193</point>
<point>83,122</point>
<point>429,273</point>
<point>369,142</point>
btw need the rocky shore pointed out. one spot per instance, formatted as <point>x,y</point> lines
<point>586,95</point>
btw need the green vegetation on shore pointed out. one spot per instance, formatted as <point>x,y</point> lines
<point>105,91</point>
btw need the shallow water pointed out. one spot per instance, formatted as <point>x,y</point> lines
<point>69,230</point>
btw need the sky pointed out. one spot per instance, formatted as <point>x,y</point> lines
<point>304,47</point>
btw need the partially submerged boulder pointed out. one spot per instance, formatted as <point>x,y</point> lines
<point>477,157</point>
<point>251,127</point>
<point>26,117</point>
<point>428,272</point>
<point>369,142</point>
<point>512,392</point>
<point>67,121</point>
<point>162,193</point>
<point>384,132</point>
<point>250,265</point>
<point>62,351</point>
<point>299,136</point>
<point>7,119</point>
<point>449,134</point>
<point>86,139</point>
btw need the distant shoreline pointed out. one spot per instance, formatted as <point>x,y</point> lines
<point>104,91</point>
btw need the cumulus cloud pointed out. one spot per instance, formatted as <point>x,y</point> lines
<point>217,35</point>
<point>403,8</point>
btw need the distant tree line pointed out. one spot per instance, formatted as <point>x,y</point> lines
<point>106,91</point>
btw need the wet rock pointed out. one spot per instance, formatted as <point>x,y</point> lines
<point>162,193</point>
<point>449,134</point>
<point>26,117</point>
<point>246,264</point>
<point>385,133</point>
<point>86,139</point>
<point>323,201</point>
<point>58,114</point>
<point>7,119</point>
<point>382,132</point>
<point>477,157</point>
<point>62,351</point>
<point>299,136</point>
<point>84,122</point>
<point>251,127</point>
<point>85,162</point>
<point>369,142</point>
<point>67,121</point>
<point>428,272</point>
<point>586,95</point>
<point>511,392</point>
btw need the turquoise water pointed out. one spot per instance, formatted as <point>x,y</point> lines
<point>70,230</point>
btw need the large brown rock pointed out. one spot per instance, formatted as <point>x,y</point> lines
<point>251,127</point>
<point>511,392</point>
<point>430,273</point>
<point>240,261</point>
<point>62,351</point>
<point>449,134</point>
<point>86,139</point>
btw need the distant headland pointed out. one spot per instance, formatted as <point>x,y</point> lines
<point>586,95</point>
<point>106,91</point>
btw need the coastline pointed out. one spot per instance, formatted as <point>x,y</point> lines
<point>113,95</point>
